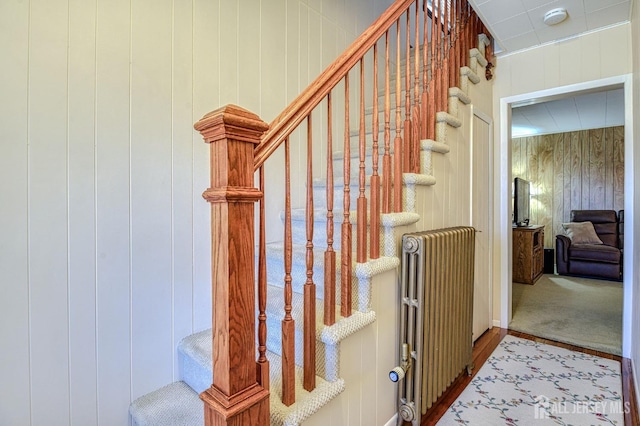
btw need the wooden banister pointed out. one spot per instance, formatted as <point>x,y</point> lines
<point>240,142</point>
<point>235,397</point>
<point>301,107</point>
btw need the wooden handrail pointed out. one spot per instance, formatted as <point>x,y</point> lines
<point>285,123</point>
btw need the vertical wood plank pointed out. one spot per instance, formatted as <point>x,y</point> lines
<point>14,214</point>
<point>82,213</point>
<point>567,178</point>
<point>533,162</point>
<point>182,223</point>
<point>618,167</point>
<point>249,29</point>
<point>576,171</point>
<point>558,191</point>
<point>586,168</point>
<point>151,150</point>
<point>48,213</point>
<point>228,30</point>
<point>113,41</point>
<point>608,166</point>
<point>596,169</point>
<point>545,197</point>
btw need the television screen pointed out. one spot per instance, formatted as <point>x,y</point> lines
<point>521,202</point>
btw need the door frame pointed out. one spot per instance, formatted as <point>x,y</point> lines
<point>503,188</point>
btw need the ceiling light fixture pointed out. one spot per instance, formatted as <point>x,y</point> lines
<point>555,16</point>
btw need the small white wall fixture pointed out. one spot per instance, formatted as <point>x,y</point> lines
<point>503,189</point>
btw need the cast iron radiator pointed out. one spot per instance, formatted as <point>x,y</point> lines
<point>436,316</point>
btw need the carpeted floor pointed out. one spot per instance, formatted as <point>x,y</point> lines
<point>529,383</point>
<point>579,311</point>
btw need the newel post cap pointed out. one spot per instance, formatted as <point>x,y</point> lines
<point>231,122</point>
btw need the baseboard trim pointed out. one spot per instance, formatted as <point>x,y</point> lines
<point>496,323</point>
<point>392,421</point>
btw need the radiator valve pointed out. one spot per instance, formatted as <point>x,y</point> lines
<point>399,372</point>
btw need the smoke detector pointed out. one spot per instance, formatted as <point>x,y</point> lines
<point>555,16</point>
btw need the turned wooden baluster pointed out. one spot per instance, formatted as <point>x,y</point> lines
<point>309,381</point>
<point>234,398</point>
<point>374,214</point>
<point>345,269</point>
<point>445,59</point>
<point>263,362</point>
<point>424,110</point>
<point>453,56</point>
<point>361,226</point>
<point>407,95</point>
<point>288,323</point>
<point>467,32</point>
<point>455,66</point>
<point>430,116</point>
<point>386,157</point>
<point>414,138</point>
<point>438,59</point>
<point>329,254</point>
<point>397,142</point>
<point>425,72</point>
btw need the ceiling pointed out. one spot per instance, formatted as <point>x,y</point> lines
<point>517,24</point>
<point>587,111</point>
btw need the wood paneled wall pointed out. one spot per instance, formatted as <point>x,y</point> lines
<point>104,236</point>
<point>579,170</point>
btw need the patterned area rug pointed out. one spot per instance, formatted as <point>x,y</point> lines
<point>529,383</point>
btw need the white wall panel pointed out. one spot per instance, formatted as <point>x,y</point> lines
<point>82,212</point>
<point>15,405</point>
<point>48,232</point>
<point>206,54</point>
<point>230,39</point>
<point>182,223</point>
<point>150,183</point>
<point>105,249</point>
<point>113,196</point>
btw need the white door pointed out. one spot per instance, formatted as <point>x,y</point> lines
<point>481,202</point>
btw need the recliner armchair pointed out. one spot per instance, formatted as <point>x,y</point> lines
<point>592,260</point>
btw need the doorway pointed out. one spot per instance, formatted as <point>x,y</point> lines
<point>503,187</point>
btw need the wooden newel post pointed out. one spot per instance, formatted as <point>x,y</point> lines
<point>235,398</point>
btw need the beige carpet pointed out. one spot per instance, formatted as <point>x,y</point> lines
<point>579,311</point>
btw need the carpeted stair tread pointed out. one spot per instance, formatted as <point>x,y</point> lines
<point>198,347</point>
<point>178,405</point>
<point>173,405</point>
<point>307,403</point>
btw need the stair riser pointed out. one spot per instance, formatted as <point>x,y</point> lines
<point>198,376</point>
<point>327,358</point>
<point>320,198</point>
<point>275,277</point>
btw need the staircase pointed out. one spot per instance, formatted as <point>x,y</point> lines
<point>354,354</point>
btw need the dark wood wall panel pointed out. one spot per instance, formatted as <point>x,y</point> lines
<point>579,170</point>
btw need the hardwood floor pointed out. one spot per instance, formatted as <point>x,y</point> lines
<point>485,345</point>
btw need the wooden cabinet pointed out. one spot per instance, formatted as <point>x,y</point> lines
<point>528,253</point>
